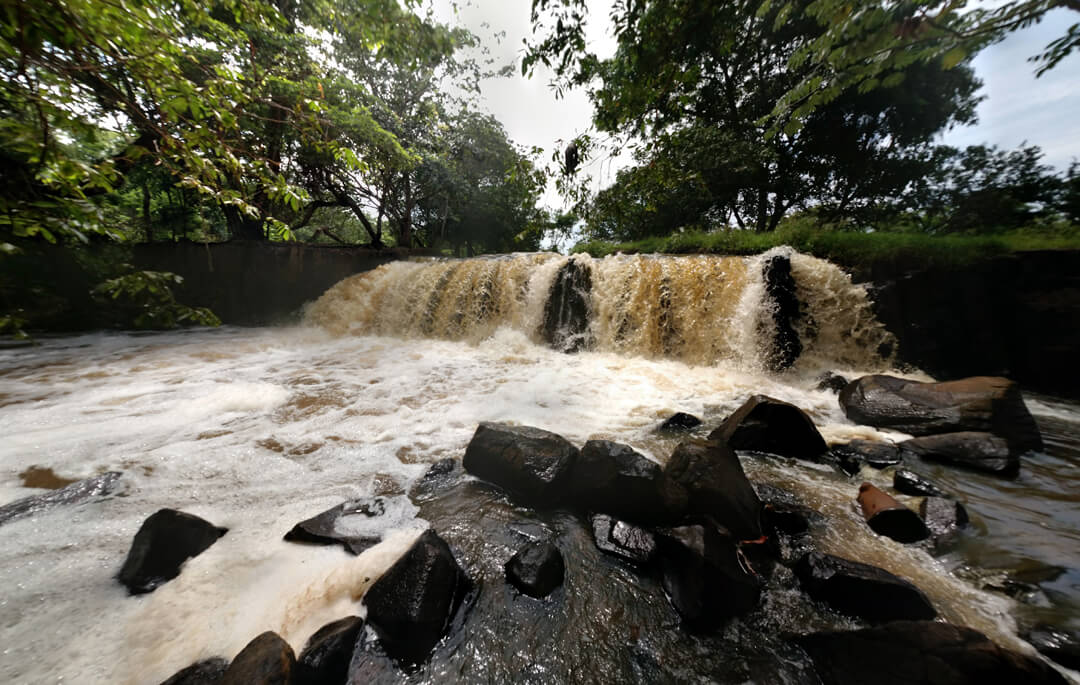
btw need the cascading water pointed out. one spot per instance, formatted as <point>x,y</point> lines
<point>257,429</point>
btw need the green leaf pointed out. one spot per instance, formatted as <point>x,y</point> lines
<point>953,57</point>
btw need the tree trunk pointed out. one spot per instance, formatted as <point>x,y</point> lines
<point>146,212</point>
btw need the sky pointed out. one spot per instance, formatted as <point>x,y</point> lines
<point>1018,107</point>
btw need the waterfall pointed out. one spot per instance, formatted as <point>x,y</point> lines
<point>768,311</point>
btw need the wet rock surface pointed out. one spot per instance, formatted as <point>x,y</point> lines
<point>981,403</point>
<point>765,424</point>
<point>163,543</point>
<point>323,528</point>
<point>976,450</point>
<point>266,660</point>
<point>831,381</point>
<point>1063,646</point>
<point>327,654</point>
<point>531,464</point>
<point>716,486</point>
<point>205,672</point>
<point>780,288</point>
<point>612,478</point>
<point>624,540</point>
<point>854,454</point>
<point>944,517</point>
<point>412,605</point>
<point>536,569</point>
<point>911,483</point>
<point>886,516</point>
<point>861,590</point>
<point>84,490</point>
<point>680,422</point>
<point>924,652</point>
<point>566,312</point>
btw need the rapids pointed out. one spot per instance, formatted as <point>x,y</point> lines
<point>257,429</point>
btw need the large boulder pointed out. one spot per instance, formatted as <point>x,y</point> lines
<point>205,672</point>
<point>982,403</point>
<point>623,540</point>
<point>976,450</point>
<point>765,424</point>
<point>98,486</point>
<point>703,576</point>
<point>886,516</point>
<point>266,660</point>
<point>326,656</point>
<point>533,465</point>
<point>861,590</point>
<point>411,606</point>
<point>612,478</point>
<point>717,487</point>
<point>323,529</point>
<point>163,543</point>
<point>920,653</point>
<point>536,569</point>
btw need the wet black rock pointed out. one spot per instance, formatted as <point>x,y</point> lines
<point>780,288</point>
<point>612,478</point>
<point>323,529</point>
<point>861,590</point>
<point>944,517</point>
<point>205,672</point>
<point>412,605</point>
<point>911,483</point>
<point>703,576</point>
<point>163,543</point>
<point>442,475</point>
<point>920,652</point>
<point>533,465</point>
<point>878,455</point>
<point>98,486</point>
<point>716,486</point>
<point>266,660</point>
<point>566,312</point>
<point>536,569</point>
<point>982,404</point>
<point>370,665</point>
<point>623,540</point>
<point>831,381</point>
<point>680,422</point>
<point>326,656</point>
<point>886,516</point>
<point>1063,646</point>
<point>764,424</point>
<point>790,520</point>
<point>975,450</point>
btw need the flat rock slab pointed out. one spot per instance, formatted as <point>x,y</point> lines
<point>766,424</point>
<point>266,660</point>
<point>163,543</point>
<point>323,529</point>
<point>531,464</point>
<point>861,590</point>
<point>920,653</point>
<point>976,450</point>
<point>98,486</point>
<point>536,569</point>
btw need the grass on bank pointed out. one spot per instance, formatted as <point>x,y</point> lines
<point>851,248</point>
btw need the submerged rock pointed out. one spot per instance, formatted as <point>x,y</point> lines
<point>861,590</point>
<point>764,424</point>
<point>533,465</point>
<point>878,455</point>
<point>980,451</point>
<point>923,652</point>
<point>716,485</point>
<point>704,578</point>
<point>944,517</point>
<point>412,605</point>
<point>981,403</point>
<point>612,478</point>
<point>633,544</point>
<point>326,656</point>
<point>205,672</point>
<point>831,381</point>
<point>911,483</point>
<point>680,421</point>
<point>1063,646</point>
<point>323,529</point>
<point>98,486</point>
<point>266,660</point>
<point>890,518</point>
<point>780,288</point>
<point>163,543</point>
<point>439,477</point>
<point>536,569</point>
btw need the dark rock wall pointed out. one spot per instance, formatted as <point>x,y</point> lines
<point>1016,316</point>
